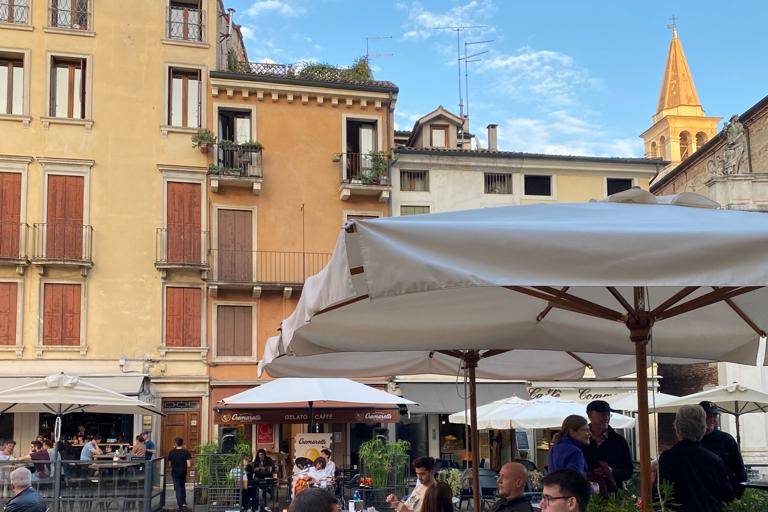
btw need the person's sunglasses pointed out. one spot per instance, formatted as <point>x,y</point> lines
<point>547,499</point>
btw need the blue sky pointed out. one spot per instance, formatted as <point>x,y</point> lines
<point>567,77</point>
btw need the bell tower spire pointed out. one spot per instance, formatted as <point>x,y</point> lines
<point>680,125</point>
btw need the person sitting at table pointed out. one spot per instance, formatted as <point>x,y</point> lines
<point>438,498</point>
<point>89,452</point>
<point>317,473</point>
<point>330,466</point>
<point>48,445</point>
<point>37,452</point>
<point>25,498</point>
<point>139,448</point>
<point>424,467</point>
<point>239,475</point>
<point>262,467</point>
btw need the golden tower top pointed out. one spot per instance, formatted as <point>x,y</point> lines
<point>677,88</point>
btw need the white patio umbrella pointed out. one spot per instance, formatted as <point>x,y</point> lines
<point>311,393</point>
<point>735,399</point>
<point>544,412</point>
<point>673,275</point>
<point>629,401</point>
<point>62,394</point>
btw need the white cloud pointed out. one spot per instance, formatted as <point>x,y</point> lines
<point>404,120</point>
<point>247,32</point>
<point>285,8</point>
<point>422,23</point>
<point>541,76</point>
<point>563,133</point>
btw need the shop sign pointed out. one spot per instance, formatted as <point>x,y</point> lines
<point>265,434</point>
<point>577,394</point>
<point>310,445</point>
<point>240,417</point>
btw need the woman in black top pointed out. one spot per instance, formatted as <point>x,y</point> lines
<point>262,467</point>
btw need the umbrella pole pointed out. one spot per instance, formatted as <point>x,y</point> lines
<point>470,360</point>
<point>310,421</point>
<point>738,430</point>
<point>644,441</point>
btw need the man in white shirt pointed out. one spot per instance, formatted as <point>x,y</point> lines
<point>330,466</point>
<point>7,451</point>
<point>424,467</point>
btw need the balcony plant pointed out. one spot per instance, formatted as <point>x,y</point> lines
<point>376,174</point>
<point>203,139</point>
<point>252,145</point>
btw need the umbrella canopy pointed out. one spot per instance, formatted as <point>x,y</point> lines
<point>311,392</point>
<point>65,394</point>
<point>672,274</point>
<point>735,399</point>
<point>629,401</point>
<point>544,412</point>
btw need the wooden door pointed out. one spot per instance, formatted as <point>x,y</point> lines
<point>64,218</point>
<point>8,312</point>
<point>10,214</point>
<point>183,223</point>
<point>235,258</point>
<point>182,420</point>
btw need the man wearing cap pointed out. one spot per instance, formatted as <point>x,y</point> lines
<point>607,454</point>
<point>724,446</point>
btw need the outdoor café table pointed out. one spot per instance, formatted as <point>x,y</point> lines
<point>264,485</point>
<point>111,470</point>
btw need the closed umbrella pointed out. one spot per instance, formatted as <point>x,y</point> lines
<point>635,275</point>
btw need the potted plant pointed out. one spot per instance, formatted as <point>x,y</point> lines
<point>252,145</point>
<point>203,139</point>
<point>337,158</point>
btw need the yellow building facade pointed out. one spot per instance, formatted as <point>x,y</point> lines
<point>99,101</point>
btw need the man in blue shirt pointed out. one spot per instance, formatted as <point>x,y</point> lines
<point>90,448</point>
<point>150,445</point>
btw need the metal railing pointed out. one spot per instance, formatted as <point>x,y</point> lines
<point>14,11</point>
<point>187,24</point>
<point>62,242</point>
<point>69,485</point>
<point>181,246</point>
<point>414,181</point>
<point>498,183</point>
<point>242,160</point>
<point>364,168</point>
<point>305,71</point>
<point>218,482</point>
<point>266,267</point>
<point>13,241</point>
<point>70,14</point>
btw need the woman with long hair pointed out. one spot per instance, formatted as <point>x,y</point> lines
<point>438,498</point>
<point>567,449</point>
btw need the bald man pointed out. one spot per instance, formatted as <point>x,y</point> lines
<point>512,479</point>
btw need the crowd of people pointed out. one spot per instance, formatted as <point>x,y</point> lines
<point>704,467</point>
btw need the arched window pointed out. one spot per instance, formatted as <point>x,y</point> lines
<point>654,150</point>
<point>701,139</point>
<point>685,145</point>
<point>662,148</point>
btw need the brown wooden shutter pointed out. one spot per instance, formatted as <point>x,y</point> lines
<point>183,223</point>
<point>10,214</point>
<point>8,312</point>
<point>235,251</point>
<point>64,228</point>
<point>182,317</point>
<point>234,333</point>
<point>61,314</point>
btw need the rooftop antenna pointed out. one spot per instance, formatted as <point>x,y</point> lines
<point>673,26</point>
<point>467,59</point>
<point>368,54</point>
<point>459,29</point>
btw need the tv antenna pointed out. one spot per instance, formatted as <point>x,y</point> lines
<point>368,54</point>
<point>459,29</point>
<point>467,59</point>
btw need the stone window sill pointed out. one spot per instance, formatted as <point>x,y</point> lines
<point>25,120</point>
<point>184,42</point>
<point>19,349</point>
<point>165,130</point>
<point>47,121</point>
<point>82,349</point>
<point>17,26</point>
<point>70,31</point>
<point>165,350</point>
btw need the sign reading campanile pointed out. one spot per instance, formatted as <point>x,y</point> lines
<point>310,445</point>
<point>245,417</point>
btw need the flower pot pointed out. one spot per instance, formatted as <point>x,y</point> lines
<point>204,148</point>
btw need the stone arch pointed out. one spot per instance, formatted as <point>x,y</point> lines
<point>685,145</point>
<point>701,139</point>
<point>662,147</point>
<point>654,149</point>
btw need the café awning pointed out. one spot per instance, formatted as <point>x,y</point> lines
<point>448,397</point>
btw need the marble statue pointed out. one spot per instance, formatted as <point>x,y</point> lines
<point>733,151</point>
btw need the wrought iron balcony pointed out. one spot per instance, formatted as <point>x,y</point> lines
<point>14,11</point>
<point>181,247</point>
<point>72,15</point>
<point>267,269</point>
<point>236,165</point>
<point>13,243</point>
<point>364,174</point>
<point>62,243</point>
<point>186,24</point>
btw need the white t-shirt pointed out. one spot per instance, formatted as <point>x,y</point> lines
<point>330,469</point>
<point>6,457</point>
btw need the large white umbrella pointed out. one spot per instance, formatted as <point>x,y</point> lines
<point>629,401</point>
<point>673,275</point>
<point>61,394</point>
<point>544,412</point>
<point>735,399</point>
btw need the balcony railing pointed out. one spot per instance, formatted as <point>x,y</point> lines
<point>186,24</point>
<point>238,160</point>
<point>181,247</point>
<point>266,267</point>
<point>14,11</point>
<point>70,14</point>
<point>364,168</point>
<point>13,241</point>
<point>62,243</point>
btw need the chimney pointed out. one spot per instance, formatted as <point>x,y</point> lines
<point>492,142</point>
